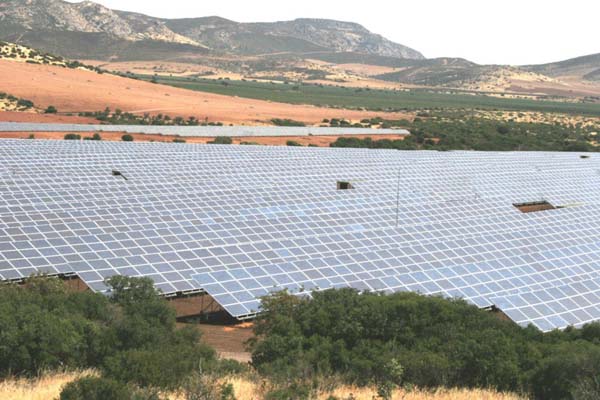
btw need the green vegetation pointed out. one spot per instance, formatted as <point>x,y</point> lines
<point>293,143</point>
<point>371,99</point>
<point>130,336</point>
<point>51,110</point>
<point>118,117</point>
<point>21,104</point>
<point>466,133</point>
<point>72,136</point>
<point>300,345</point>
<point>178,140</point>
<point>286,122</point>
<point>95,389</point>
<point>95,136</point>
<point>127,138</point>
<point>221,140</point>
<point>408,339</point>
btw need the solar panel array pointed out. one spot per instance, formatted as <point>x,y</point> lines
<point>199,130</point>
<point>239,222</point>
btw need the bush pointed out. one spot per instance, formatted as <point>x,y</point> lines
<point>130,335</point>
<point>90,388</point>
<point>51,110</point>
<point>222,140</point>
<point>127,138</point>
<point>178,140</point>
<point>287,122</point>
<point>293,143</point>
<point>166,366</point>
<point>25,103</point>
<point>405,338</point>
<point>206,387</point>
<point>72,136</point>
<point>96,136</point>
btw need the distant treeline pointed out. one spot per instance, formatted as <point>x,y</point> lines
<point>118,117</point>
<point>481,134</point>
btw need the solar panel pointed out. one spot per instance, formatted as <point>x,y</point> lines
<point>199,130</point>
<point>239,222</point>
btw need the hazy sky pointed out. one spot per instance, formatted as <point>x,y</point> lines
<point>492,31</point>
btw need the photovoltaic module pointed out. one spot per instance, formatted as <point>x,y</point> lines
<point>518,231</point>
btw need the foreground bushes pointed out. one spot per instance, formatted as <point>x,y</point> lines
<point>129,336</point>
<point>91,388</point>
<point>436,342</point>
<point>301,346</point>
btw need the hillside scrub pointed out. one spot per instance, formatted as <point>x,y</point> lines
<point>481,134</point>
<point>118,117</point>
<point>432,342</point>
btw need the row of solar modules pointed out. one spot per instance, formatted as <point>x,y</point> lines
<point>270,218</point>
<point>199,131</point>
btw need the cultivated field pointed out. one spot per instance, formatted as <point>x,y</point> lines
<point>346,97</point>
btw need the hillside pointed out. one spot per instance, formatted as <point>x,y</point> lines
<point>460,73</point>
<point>76,90</point>
<point>321,51</point>
<point>69,29</point>
<point>586,68</point>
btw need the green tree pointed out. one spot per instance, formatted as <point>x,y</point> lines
<point>91,388</point>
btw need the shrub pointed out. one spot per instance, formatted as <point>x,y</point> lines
<point>90,388</point>
<point>131,335</point>
<point>206,387</point>
<point>405,338</point>
<point>51,110</point>
<point>96,136</point>
<point>503,130</point>
<point>222,140</point>
<point>72,136</point>
<point>286,122</point>
<point>292,143</point>
<point>127,138</point>
<point>25,103</point>
<point>178,140</point>
<point>166,366</point>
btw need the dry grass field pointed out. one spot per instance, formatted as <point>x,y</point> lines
<point>48,387</point>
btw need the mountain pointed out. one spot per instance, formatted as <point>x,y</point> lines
<point>90,30</point>
<point>300,35</point>
<point>585,68</point>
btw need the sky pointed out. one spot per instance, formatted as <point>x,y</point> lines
<point>512,32</point>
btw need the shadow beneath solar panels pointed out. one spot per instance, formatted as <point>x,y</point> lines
<point>534,206</point>
<point>200,308</point>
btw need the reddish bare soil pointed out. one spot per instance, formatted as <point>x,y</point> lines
<point>229,340</point>
<point>73,90</point>
<point>15,116</point>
